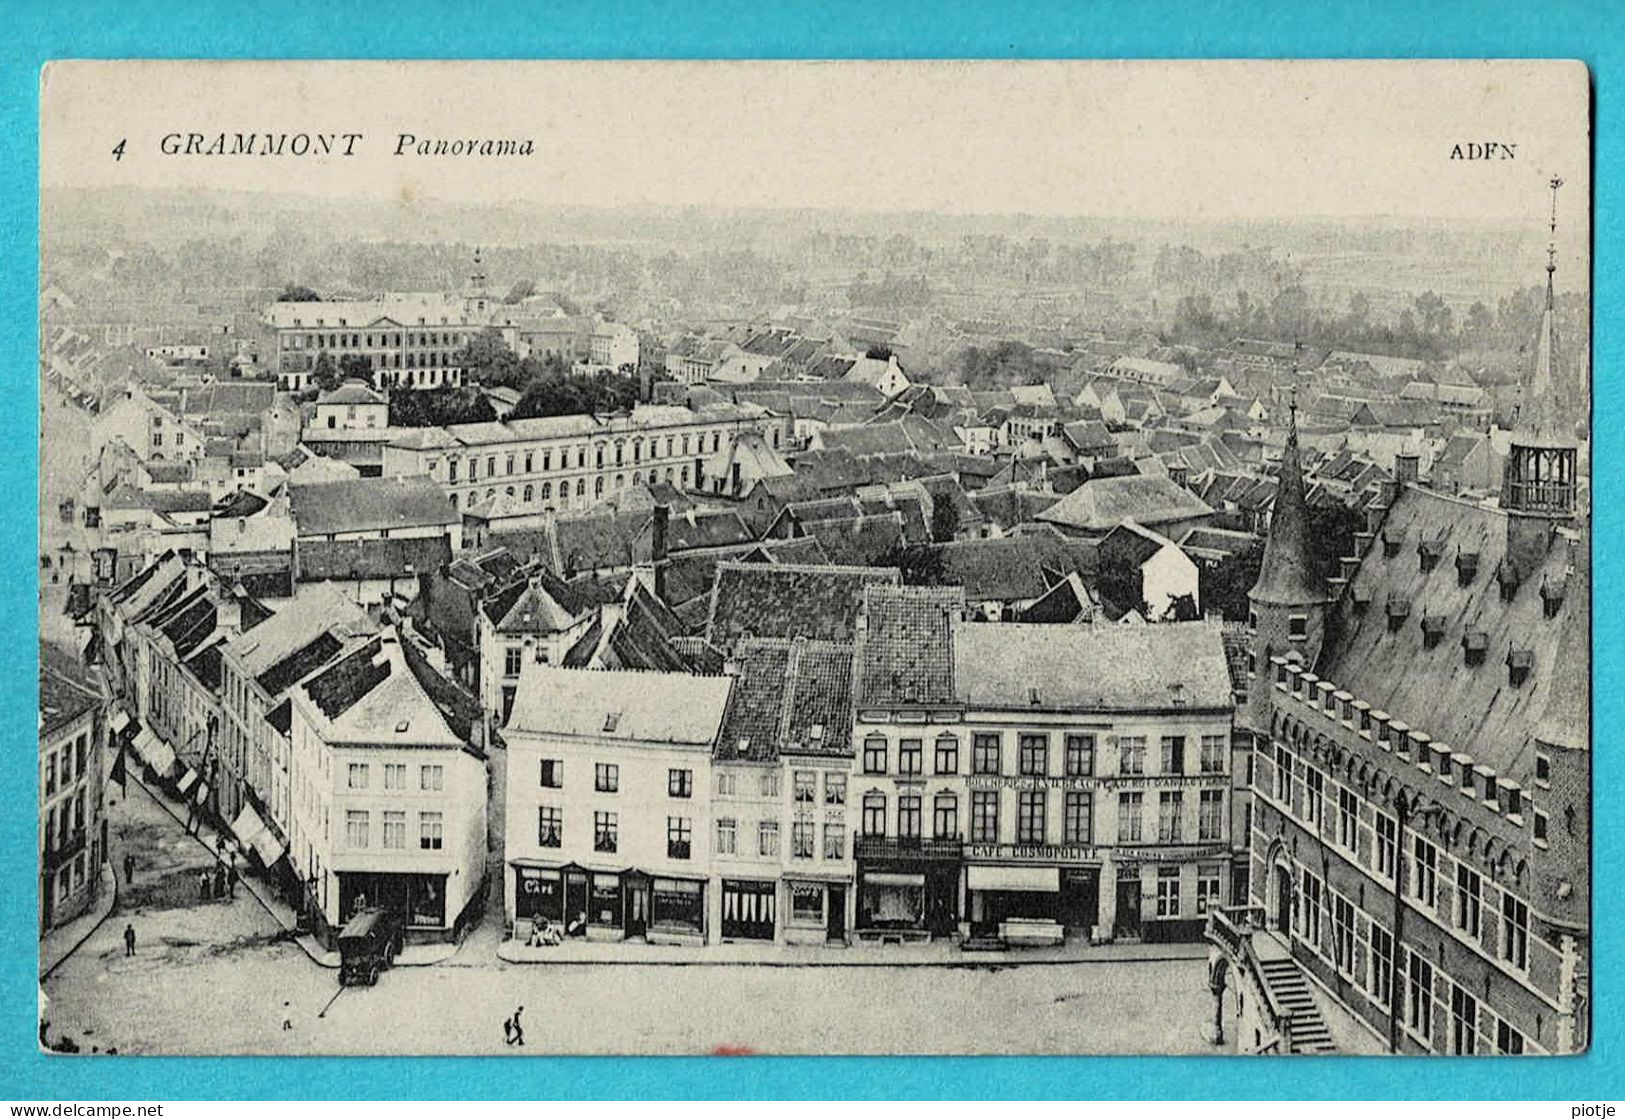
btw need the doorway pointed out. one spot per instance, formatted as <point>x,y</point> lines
<point>1080,899</point>
<point>637,906</point>
<point>1283,898</point>
<point>1128,906</point>
<point>836,904</point>
<point>575,899</point>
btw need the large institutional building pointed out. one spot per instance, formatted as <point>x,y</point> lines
<point>1420,845</point>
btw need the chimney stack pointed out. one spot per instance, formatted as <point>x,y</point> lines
<point>1407,468</point>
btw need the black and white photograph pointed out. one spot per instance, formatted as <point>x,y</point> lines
<point>815,558</point>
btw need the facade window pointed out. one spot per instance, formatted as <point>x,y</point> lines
<point>1209,881</point>
<point>431,831</point>
<point>1348,818</point>
<point>947,759</point>
<point>1469,893</point>
<point>1078,817</point>
<point>1283,774</point>
<point>910,757</point>
<point>511,661</point>
<point>985,754</point>
<point>549,826</point>
<point>395,829</point>
<point>1309,913</point>
<point>606,777</point>
<point>358,775</point>
<point>394,776</point>
<point>727,836</point>
<point>834,789</point>
<point>1297,626</point>
<point>1382,964</point>
<point>1030,805</point>
<point>1508,1041</point>
<point>1214,749</point>
<point>355,829</point>
<point>874,814</point>
<point>552,776</point>
<point>1170,817</point>
<point>679,837</point>
<point>1080,755</point>
<point>1541,824</point>
<point>1343,934</point>
<point>1173,754</point>
<point>834,841</point>
<point>726,782</point>
<point>908,816</point>
<point>1131,756</point>
<point>767,839</point>
<point>984,816</point>
<point>1034,755</point>
<point>874,755</point>
<point>1514,932</point>
<point>1419,997</point>
<point>1167,891</point>
<point>1210,814</point>
<point>680,782</point>
<point>431,778</point>
<point>945,816</point>
<point>1543,771</point>
<point>801,839</point>
<point>1426,887</point>
<point>1387,845</point>
<point>767,784</point>
<point>1314,796</point>
<point>1463,1023</point>
<point>805,788</point>
<point>1128,817</point>
<point>606,831</point>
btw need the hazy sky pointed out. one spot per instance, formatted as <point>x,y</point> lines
<point>1141,139</point>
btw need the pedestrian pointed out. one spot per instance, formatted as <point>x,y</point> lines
<point>203,885</point>
<point>219,880</point>
<point>231,880</point>
<point>129,939</point>
<point>507,1031</point>
<point>129,868</point>
<point>518,1030</point>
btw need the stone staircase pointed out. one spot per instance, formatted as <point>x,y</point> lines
<point>1307,1031</point>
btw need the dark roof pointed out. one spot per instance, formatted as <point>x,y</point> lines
<point>372,559</point>
<point>1012,568</point>
<point>905,648</point>
<point>207,666</point>
<point>65,690</point>
<point>368,504</point>
<point>241,503</point>
<point>750,732</point>
<point>281,717</point>
<point>1062,603</point>
<point>1288,575</point>
<point>298,664</point>
<point>791,697</point>
<point>348,679</point>
<point>1473,708</point>
<point>1101,504</point>
<point>788,600</point>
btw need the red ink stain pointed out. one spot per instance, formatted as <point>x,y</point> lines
<point>733,1051</point>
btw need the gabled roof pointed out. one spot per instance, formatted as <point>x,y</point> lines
<point>373,697</point>
<point>395,558</point>
<point>369,504</point>
<point>658,707</point>
<point>788,600</point>
<point>1101,504</point>
<point>352,392</point>
<point>904,651</point>
<point>1013,568</point>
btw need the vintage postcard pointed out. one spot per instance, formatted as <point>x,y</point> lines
<point>815,558</point>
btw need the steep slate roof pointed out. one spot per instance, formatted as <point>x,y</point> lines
<point>65,689</point>
<point>1095,667</point>
<point>372,559</point>
<point>666,707</point>
<point>1013,568</point>
<point>1287,574</point>
<point>905,646</point>
<point>376,696</point>
<point>368,504</point>
<point>1475,709</point>
<point>751,730</point>
<point>314,611</point>
<point>542,604</point>
<point>1103,503</point>
<point>788,600</point>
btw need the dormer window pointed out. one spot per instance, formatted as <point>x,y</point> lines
<point>1508,580</point>
<point>1473,645</point>
<point>1392,539</point>
<point>1399,608</point>
<point>1543,771</point>
<point>1551,595</point>
<point>1361,597</point>
<point>1432,630</point>
<point>1519,662</point>
<point>1297,626</point>
<point>1428,552</point>
<point>1466,566</point>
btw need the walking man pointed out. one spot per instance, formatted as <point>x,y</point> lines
<point>231,880</point>
<point>129,868</point>
<point>129,939</point>
<point>518,1030</point>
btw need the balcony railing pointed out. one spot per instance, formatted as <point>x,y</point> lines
<point>907,847</point>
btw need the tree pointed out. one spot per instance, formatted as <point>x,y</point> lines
<point>1224,585</point>
<point>524,289</point>
<point>325,375</point>
<point>298,293</point>
<point>438,407</point>
<point>356,366</point>
<point>568,394</point>
<point>921,564</point>
<point>487,360</point>
<point>944,520</point>
<point>878,352</point>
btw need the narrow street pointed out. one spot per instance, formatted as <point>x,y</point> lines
<point>220,977</point>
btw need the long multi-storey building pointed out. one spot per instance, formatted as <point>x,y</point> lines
<point>570,462</point>
<point>408,339</point>
<point>1421,838</point>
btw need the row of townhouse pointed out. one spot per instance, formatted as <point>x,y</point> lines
<point>73,728</point>
<point>555,463</point>
<point>934,777</point>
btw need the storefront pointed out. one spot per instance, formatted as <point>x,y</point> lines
<point>677,911</point>
<point>817,912</point>
<point>908,885</point>
<point>891,900</point>
<point>419,899</point>
<point>1002,893</point>
<point>749,909</point>
<point>538,892</point>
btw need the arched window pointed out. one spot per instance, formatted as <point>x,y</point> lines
<point>620,452</point>
<point>581,487</point>
<point>509,491</point>
<point>530,494</point>
<point>547,491</point>
<point>599,452</point>
<point>620,481</point>
<point>637,450</point>
<point>598,487</point>
<point>668,475</point>
<point>637,477</point>
<point>685,476</point>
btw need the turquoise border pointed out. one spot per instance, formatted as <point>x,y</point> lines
<point>37,30</point>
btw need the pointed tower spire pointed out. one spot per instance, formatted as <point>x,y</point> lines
<point>1288,576</point>
<point>1538,417</point>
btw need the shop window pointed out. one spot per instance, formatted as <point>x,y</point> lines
<point>1168,891</point>
<point>807,902</point>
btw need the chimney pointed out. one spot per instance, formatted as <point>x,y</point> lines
<point>1407,468</point>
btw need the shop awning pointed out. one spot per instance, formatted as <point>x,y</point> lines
<point>119,721</point>
<point>269,848</point>
<point>887,879</point>
<point>154,751</point>
<point>247,826</point>
<point>188,779</point>
<point>1038,879</point>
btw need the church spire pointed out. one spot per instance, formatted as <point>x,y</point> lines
<point>1539,417</point>
<point>1288,576</point>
